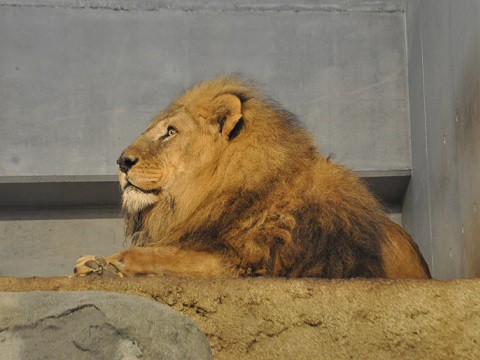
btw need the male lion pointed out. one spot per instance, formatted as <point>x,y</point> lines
<point>227,183</point>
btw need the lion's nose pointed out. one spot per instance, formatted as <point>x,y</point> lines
<point>126,162</point>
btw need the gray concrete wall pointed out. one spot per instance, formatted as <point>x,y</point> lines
<point>80,79</point>
<point>442,204</point>
<point>49,242</point>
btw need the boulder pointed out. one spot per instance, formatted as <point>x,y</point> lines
<point>95,325</point>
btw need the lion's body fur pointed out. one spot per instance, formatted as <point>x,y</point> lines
<point>268,202</point>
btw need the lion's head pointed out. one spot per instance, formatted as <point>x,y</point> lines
<point>218,134</point>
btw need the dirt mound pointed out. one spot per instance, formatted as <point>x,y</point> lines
<point>262,318</point>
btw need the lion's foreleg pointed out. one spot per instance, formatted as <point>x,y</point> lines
<point>158,261</point>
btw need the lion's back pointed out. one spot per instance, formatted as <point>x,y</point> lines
<point>323,222</point>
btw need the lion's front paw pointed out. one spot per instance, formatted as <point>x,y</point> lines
<point>98,265</point>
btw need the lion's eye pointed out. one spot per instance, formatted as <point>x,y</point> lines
<point>171,131</point>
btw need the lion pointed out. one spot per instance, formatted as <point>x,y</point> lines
<point>227,183</point>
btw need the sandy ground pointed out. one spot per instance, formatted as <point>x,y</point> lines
<point>264,318</point>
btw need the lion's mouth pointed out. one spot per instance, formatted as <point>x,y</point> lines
<point>152,191</point>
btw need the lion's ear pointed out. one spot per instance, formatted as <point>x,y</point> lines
<point>227,112</point>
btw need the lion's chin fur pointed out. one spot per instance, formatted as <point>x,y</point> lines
<point>134,201</point>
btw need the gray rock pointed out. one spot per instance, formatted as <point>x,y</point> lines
<point>95,325</point>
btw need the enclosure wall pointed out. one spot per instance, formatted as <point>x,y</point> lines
<point>442,205</point>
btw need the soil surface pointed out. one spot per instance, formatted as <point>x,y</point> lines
<point>265,318</point>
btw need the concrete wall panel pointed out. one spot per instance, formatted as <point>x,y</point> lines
<point>49,242</point>
<point>441,204</point>
<point>416,211</point>
<point>79,80</point>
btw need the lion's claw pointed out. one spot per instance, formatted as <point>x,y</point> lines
<point>97,265</point>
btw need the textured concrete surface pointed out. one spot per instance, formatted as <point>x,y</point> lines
<point>95,325</point>
<point>49,242</point>
<point>442,206</point>
<point>80,79</point>
<point>264,318</point>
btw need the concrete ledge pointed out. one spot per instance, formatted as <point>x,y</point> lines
<point>75,191</point>
<point>265,318</point>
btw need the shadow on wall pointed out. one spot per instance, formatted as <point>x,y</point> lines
<point>468,166</point>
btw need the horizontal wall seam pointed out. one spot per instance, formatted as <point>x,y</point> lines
<point>139,5</point>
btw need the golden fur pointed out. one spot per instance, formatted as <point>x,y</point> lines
<point>225,182</point>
